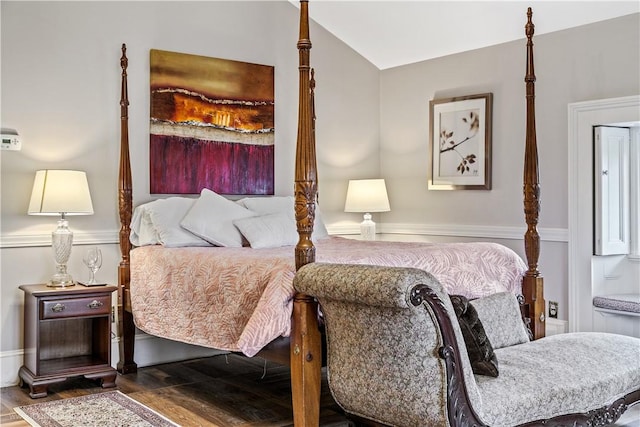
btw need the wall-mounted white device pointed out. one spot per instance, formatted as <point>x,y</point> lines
<point>10,140</point>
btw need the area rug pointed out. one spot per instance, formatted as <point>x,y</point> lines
<point>109,409</point>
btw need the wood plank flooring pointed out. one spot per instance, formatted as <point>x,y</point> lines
<point>219,391</point>
<point>225,390</point>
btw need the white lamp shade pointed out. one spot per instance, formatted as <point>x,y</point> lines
<point>58,192</point>
<point>367,195</point>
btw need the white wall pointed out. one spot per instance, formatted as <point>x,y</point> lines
<point>61,91</point>
<point>600,60</point>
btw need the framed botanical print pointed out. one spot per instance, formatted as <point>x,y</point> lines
<point>460,142</point>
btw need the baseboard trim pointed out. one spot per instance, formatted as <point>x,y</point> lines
<point>555,326</point>
<point>10,362</point>
<point>149,350</point>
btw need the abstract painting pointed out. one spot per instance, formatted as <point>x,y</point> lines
<point>212,125</point>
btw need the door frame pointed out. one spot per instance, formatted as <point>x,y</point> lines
<point>582,117</point>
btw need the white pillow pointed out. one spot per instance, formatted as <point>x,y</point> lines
<point>158,222</point>
<point>284,204</point>
<point>211,218</point>
<point>267,231</point>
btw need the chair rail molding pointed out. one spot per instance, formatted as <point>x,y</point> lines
<point>455,230</point>
<point>30,240</point>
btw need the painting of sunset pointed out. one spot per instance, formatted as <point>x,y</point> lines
<point>212,125</point>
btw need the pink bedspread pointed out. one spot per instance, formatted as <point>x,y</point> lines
<point>240,299</point>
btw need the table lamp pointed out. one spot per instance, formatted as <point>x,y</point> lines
<point>61,192</point>
<point>367,195</point>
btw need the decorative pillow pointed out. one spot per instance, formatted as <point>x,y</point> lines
<point>211,218</point>
<point>267,231</point>
<point>158,222</point>
<point>483,359</point>
<point>283,204</point>
<point>502,320</point>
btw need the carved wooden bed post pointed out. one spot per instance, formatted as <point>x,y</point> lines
<point>306,350</point>
<point>532,284</point>
<point>126,327</point>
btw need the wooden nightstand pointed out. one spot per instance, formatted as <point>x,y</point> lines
<point>67,332</point>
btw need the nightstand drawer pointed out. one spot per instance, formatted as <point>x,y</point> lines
<point>73,307</point>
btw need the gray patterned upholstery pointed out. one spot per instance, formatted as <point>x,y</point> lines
<point>383,361</point>
<point>501,319</point>
<point>559,374</point>
<point>620,302</point>
<point>382,351</point>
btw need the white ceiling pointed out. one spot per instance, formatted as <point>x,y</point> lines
<point>393,32</point>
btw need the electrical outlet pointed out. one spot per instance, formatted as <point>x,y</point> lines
<point>553,309</point>
<point>113,314</point>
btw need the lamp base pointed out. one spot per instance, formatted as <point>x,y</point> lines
<point>367,228</point>
<point>61,282</point>
<point>61,243</point>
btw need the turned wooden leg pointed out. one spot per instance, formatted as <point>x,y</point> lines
<point>126,326</point>
<point>306,362</point>
<point>126,364</point>
<point>533,290</point>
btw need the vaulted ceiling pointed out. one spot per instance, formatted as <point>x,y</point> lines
<point>393,32</point>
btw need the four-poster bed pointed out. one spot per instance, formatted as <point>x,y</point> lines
<point>303,349</point>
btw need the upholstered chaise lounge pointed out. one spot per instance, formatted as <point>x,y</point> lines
<point>397,356</point>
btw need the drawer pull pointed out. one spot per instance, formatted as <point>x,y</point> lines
<point>58,308</point>
<point>95,304</point>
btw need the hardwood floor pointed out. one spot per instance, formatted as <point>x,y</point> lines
<point>226,390</point>
<point>216,391</point>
